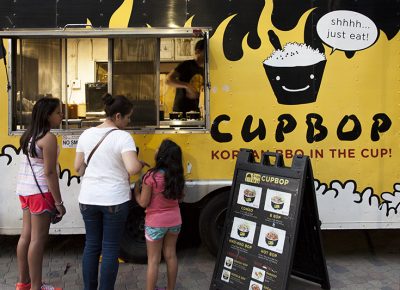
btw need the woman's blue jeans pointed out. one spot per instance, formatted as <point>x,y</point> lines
<point>104,227</point>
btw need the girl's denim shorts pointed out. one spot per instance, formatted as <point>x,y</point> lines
<point>153,233</point>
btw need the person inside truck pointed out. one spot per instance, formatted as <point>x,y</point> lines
<point>39,191</point>
<point>187,78</point>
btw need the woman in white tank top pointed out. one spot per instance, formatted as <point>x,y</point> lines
<point>38,199</point>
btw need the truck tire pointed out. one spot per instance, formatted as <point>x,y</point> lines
<point>133,243</point>
<point>211,221</point>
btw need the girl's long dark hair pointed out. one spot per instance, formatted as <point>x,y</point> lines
<point>39,125</point>
<point>169,159</point>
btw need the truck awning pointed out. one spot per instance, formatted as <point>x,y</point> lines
<point>77,31</point>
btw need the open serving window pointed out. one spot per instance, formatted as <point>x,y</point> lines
<point>80,65</point>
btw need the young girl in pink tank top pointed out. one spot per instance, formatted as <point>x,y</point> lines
<point>162,188</point>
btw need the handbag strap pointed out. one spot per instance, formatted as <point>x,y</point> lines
<point>37,183</point>
<point>98,144</point>
<point>34,176</point>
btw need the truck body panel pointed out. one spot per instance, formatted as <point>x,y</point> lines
<point>341,109</point>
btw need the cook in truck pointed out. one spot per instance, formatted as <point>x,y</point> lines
<point>187,78</point>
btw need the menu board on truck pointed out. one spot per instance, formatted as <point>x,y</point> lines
<point>260,246</point>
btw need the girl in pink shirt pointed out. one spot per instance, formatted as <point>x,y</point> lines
<point>162,188</point>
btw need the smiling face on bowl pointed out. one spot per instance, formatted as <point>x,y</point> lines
<point>295,85</point>
<point>295,73</point>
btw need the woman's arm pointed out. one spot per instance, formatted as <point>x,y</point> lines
<point>48,144</point>
<point>142,198</point>
<point>131,162</point>
<point>79,160</point>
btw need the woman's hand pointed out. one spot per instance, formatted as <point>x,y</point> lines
<point>132,164</point>
<point>144,163</point>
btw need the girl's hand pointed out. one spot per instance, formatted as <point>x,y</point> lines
<point>136,191</point>
<point>61,209</point>
<point>138,184</point>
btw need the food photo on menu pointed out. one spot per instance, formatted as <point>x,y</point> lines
<point>228,262</point>
<point>255,286</point>
<point>249,195</point>
<point>277,201</point>
<point>272,239</point>
<point>243,230</point>
<point>225,275</point>
<point>258,274</point>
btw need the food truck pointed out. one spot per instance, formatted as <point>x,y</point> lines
<point>320,79</point>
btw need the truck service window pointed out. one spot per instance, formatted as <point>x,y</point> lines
<point>80,70</point>
<point>37,73</point>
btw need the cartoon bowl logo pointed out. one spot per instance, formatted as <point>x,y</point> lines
<point>225,275</point>
<point>277,202</point>
<point>271,238</point>
<point>249,195</point>
<point>243,230</point>
<point>295,73</point>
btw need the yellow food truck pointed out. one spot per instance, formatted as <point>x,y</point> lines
<point>316,78</point>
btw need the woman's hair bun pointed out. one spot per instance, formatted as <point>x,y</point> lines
<point>107,99</point>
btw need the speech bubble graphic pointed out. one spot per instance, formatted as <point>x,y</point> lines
<point>347,30</point>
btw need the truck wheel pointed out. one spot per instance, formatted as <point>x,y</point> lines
<point>133,243</point>
<point>211,222</point>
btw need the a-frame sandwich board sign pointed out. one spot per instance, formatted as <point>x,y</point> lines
<point>272,228</point>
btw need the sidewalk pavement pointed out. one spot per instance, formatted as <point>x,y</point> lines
<point>356,259</point>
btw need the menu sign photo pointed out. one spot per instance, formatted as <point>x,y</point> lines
<point>260,229</point>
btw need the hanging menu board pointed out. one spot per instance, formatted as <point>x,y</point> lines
<point>261,227</point>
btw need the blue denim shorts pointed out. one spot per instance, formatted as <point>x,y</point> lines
<point>153,234</point>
